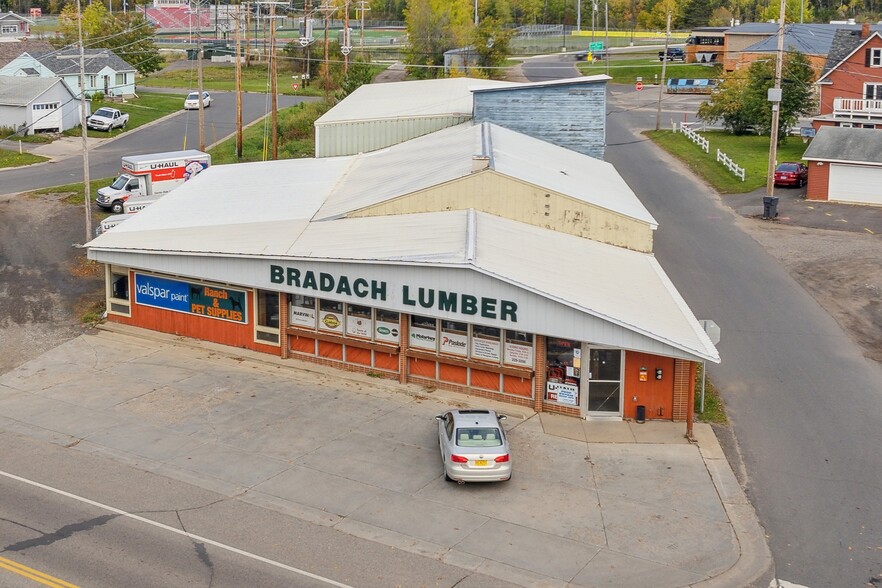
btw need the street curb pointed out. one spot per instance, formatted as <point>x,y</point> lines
<point>755,565</point>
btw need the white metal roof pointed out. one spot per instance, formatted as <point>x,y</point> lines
<point>449,96</point>
<point>598,78</point>
<point>625,288</point>
<point>22,90</point>
<point>447,155</point>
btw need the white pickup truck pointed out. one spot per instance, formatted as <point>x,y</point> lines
<point>106,118</point>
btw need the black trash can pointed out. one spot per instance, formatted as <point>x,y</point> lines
<point>641,414</point>
<point>770,207</point>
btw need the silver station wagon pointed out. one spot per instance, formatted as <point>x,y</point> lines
<point>473,446</point>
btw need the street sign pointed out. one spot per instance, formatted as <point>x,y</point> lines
<point>304,41</point>
<point>639,85</point>
<point>597,46</point>
<point>345,49</point>
<point>295,86</point>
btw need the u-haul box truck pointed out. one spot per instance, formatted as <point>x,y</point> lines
<point>109,223</point>
<point>151,175</point>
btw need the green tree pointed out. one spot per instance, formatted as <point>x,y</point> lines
<point>792,11</point>
<point>725,104</point>
<point>741,100</point>
<point>433,27</point>
<point>128,35</point>
<point>491,43</point>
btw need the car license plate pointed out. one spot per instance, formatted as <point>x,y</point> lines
<point>480,463</point>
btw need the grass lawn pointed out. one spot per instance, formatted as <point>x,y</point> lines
<point>749,151</point>
<point>626,71</point>
<point>76,192</point>
<point>144,109</point>
<point>214,77</point>
<point>13,159</point>
<point>296,137</point>
<point>714,411</point>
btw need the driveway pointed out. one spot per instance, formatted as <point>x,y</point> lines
<point>622,505</point>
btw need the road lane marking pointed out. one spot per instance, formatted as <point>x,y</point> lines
<point>32,574</point>
<point>192,536</point>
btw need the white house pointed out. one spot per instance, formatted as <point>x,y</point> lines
<point>14,27</point>
<point>37,104</point>
<point>105,72</point>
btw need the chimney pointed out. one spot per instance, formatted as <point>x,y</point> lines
<point>865,30</point>
<point>480,163</point>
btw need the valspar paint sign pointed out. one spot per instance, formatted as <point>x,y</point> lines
<point>208,301</point>
<point>410,295</point>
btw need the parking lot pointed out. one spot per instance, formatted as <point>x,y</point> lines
<point>589,504</point>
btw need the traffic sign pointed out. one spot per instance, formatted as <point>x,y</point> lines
<point>295,86</point>
<point>639,85</point>
<point>304,41</point>
<point>596,46</point>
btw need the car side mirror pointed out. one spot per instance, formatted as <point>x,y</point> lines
<point>440,417</point>
<point>501,417</point>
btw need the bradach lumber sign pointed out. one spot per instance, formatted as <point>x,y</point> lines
<point>378,290</point>
<point>208,301</point>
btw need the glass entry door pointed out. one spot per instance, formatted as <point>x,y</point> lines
<point>604,383</point>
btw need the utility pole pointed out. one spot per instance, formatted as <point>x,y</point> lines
<point>199,75</point>
<point>274,101</point>
<point>326,12</point>
<point>606,35</point>
<point>775,99</point>
<point>86,181</point>
<point>346,46</point>
<point>247,31</point>
<point>579,16</point>
<point>661,85</point>
<point>238,87</point>
<point>363,5</point>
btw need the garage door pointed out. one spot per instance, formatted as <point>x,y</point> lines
<point>855,183</point>
<point>46,116</point>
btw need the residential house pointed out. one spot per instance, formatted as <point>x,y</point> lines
<point>14,27</point>
<point>851,82</point>
<point>33,105</point>
<point>105,72</point>
<point>11,49</point>
<point>845,165</point>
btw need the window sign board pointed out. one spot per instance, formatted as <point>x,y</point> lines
<point>385,331</point>
<point>562,393</point>
<point>189,298</point>
<point>454,343</point>
<point>423,338</point>
<point>485,348</point>
<point>331,321</point>
<point>301,315</point>
<point>519,354</point>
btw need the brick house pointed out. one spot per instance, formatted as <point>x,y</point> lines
<point>851,83</point>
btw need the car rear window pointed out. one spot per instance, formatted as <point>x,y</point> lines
<point>788,167</point>
<point>478,437</point>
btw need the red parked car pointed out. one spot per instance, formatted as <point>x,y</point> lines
<point>791,174</point>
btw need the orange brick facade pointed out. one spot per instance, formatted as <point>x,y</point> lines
<point>818,180</point>
<point>847,80</point>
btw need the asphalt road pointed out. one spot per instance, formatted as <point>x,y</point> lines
<point>179,131</point>
<point>232,543</point>
<point>803,401</point>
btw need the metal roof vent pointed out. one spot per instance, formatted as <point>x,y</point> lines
<point>480,163</point>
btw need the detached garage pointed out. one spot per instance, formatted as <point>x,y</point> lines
<point>845,165</point>
<point>36,105</point>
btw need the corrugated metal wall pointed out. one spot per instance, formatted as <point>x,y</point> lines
<point>571,115</point>
<point>352,137</point>
<point>503,196</point>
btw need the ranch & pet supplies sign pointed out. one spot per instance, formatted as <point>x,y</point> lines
<point>199,299</point>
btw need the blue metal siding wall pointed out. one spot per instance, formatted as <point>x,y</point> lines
<point>572,116</point>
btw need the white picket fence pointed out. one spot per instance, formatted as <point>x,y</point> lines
<point>695,137</point>
<point>733,167</point>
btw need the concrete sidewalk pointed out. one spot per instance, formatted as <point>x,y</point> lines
<point>590,504</point>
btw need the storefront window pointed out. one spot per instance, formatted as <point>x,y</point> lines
<point>486,343</point>
<point>386,327</point>
<point>423,332</point>
<point>359,321</point>
<point>563,371</point>
<point>331,316</point>
<point>119,285</point>
<point>455,338</point>
<point>519,348</point>
<point>302,311</point>
<point>267,309</point>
